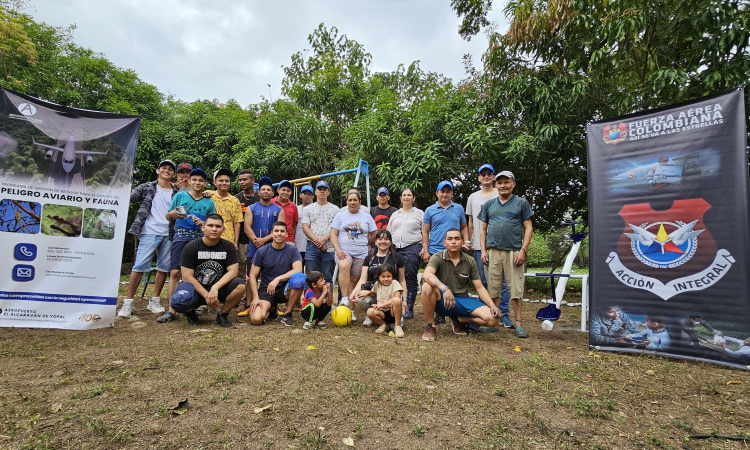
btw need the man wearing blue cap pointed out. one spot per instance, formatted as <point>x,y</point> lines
<point>189,211</point>
<point>306,194</point>
<point>473,206</point>
<point>316,224</point>
<point>438,219</point>
<point>382,212</point>
<point>291,216</point>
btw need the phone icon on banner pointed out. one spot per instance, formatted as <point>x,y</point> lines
<point>25,252</point>
<point>23,272</point>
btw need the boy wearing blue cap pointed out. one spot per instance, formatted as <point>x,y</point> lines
<point>291,215</point>
<point>382,212</point>
<point>189,211</point>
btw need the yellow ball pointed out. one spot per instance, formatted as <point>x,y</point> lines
<point>341,316</point>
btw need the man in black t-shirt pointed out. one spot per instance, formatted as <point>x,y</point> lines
<point>382,213</point>
<point>209,273</point>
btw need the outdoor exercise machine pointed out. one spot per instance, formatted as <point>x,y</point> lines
<point>552,311</point>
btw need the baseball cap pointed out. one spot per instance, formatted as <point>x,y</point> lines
<point>286,183</point>
<point>486,166</point>
<point>199,171</point>
<point>183,299</point>
<point>297,281</point>
<point>444,184</point>
<point>226,172</point>
<point>184,166</point>
<point>166,162</point>
<point>306,188</point>
<point>383,190</point>
<point>321,184</point>
<point>506,173</point>
<point>265,181</point>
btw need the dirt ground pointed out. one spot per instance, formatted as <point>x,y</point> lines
<point>276,387</point>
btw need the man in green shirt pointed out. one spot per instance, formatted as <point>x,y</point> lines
<point>446,288</point>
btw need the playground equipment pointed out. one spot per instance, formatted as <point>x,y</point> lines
<point>552,311</point>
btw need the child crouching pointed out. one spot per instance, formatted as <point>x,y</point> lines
<point>388,308</point>
<point>317,302</point>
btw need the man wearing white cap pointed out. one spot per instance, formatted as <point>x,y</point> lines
<point>505,236</point>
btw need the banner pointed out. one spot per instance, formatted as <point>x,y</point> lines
<point>65,177</point>
<point>668,214</point>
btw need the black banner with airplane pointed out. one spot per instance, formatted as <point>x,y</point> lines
<point>668,214</point>
<point>65,178</point>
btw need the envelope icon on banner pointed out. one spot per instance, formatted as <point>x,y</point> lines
<point>22,272</point>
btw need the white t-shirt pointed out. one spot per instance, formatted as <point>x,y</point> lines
<point>156,222</point>
<point>473,206</point>
<point>320,218</point>
<point>353,232</point>
<point>300,239</point>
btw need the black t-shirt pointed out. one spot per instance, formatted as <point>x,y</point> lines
<point>209,263</point>
<point>245,202</point>
<point>372,264</point>
<point>382,216</point>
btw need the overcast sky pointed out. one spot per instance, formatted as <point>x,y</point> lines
<point>206,49</point>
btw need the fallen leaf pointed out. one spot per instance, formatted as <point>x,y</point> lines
<point>569,348</point>
<point>312,347</point>
<point>348,441</point>
<point>56,407</point>
<point>276,348</point>
<point>181,408</point>
<point>391,334</point>
<point>416,360</point>
<point>517,349</point>
<point>260,410</point>
<point>734,382</point>
<point>353,352</point>
<point>322,428</point>
<point>650,372</point>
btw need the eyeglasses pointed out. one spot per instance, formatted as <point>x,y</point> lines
<point>486,174</point>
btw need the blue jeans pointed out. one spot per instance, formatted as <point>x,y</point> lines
<point>410,253</point>
<point>148,245</point>
<point>505,293</point>
<point>320,260</point>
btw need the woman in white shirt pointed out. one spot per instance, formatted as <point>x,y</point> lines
<point>352,232</point>
<point>405,226</point>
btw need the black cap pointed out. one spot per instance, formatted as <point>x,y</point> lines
<point>167,162</point>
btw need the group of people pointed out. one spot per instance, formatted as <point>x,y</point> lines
<point>254,251</point>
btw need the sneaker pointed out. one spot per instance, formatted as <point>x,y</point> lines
<point>521,333</point>
<point>244,313</point>
<point>306,325</point>
<point>382,329</point>
<point>287,320</point>
<point>367,322</point>
<point>429,333</point>
<point>488,329</point>
<point>507,323</point>
<point>192,318</point>
<point>439,320</point>
<point>154,305</point>
<point>321,324</point>
<point>166,317</point>
<point>222,320</point>
<point>457,327</point>
<point>399,332</point>
<point>202,309</point>
<point>127,308</point>
<point>471,328</point>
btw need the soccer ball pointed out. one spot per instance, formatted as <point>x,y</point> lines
<point>547,325</point>
<point>341,316</point>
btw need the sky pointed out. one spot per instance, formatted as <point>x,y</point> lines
<point>219,49</point>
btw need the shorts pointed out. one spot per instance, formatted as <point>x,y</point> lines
<point>176,254</point>
<point>388,316</point>
<point>277,297</point>
<point>223,292</point>
<point>311,313</point>
<point>501,263</point>
<point>463,308</point>
<point>148,244</point>
<point>356,263</point>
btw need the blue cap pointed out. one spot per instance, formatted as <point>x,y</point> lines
<point>321,184</point>
<point>306,188</point>
<point>297,281</point>
<point>264,181</point>
<point>486,166</point>
<point>383,190</point>
<point>443,184</point>
<point>286,183</point>
<point>183,299</point>
<point>199,171</point>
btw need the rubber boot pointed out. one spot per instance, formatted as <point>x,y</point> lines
<point>410,306</point>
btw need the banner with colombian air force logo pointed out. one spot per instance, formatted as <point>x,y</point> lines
<point>668,213</point>
<point>65,178</point>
